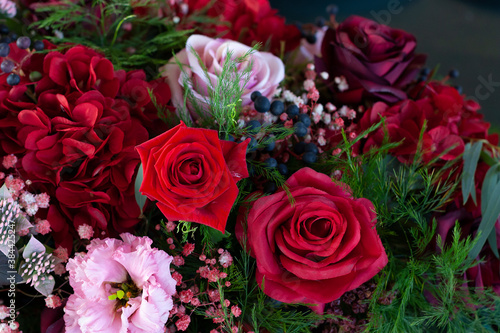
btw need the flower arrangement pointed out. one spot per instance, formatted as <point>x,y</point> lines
<point>202,166</point>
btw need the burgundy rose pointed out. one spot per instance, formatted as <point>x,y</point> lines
<point>192,174</point>
<point>318,248</point>
<point>376,60</point>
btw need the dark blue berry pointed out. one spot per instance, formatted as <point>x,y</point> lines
<point>5,40</point>
<point>270,163</point>
<point>13,79</point>
<point>332,9</point>
<point>254,95</point>
<point>23,42</point>
<point>38,45</point>
<point>454,73</point>
<point>311,147</point>
<point>277,108</point>
<point>292,110</point>
<point>320,21</point>
<point>282,169</point>
<point>13,36</point>
<point>252,145</point>
<point>253,126</point>
<point>4,49</point>
<point>425,71</point>
<point>459,89</point>
<point>299,147</point>
<point>251,170</point>
<point>310,157</point>
<point>300,129</point>
<point>262,104</point>
<point>304,118</point>
<point>270,188</point>
<point>310,38</point>
<point>422,78</point>
<point>270,145</point>
<point>7,66</point>
<point>4,30</point>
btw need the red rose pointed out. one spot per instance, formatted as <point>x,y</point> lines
<point>320,247</point>
<point>376,60</point>
<point>192,174</point>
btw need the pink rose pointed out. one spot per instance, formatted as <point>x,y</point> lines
<point>267,71</point>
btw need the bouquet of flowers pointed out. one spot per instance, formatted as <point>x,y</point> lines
<point>202,166</point>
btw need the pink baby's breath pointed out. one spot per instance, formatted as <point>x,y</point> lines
<point>170,226</point>
<point>178,261</point>
<point>226,259</point>
<point>235,310</point>
<point>42,227</point>
<point>186,296</point>
<point>188,249</point>
<point>42,200</point>
<point>8,161</point>
<point>183,323</point>
<point>61,253</point>
<point>85,231</point>
<point>53,301</point>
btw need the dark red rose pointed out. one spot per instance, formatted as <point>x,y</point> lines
<point>318,248</point>
<point>376,60</point>
<point>192,174</point>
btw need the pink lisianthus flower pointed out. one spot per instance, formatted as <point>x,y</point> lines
<point>120,286</point>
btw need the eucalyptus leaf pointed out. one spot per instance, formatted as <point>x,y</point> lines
<point>4,192</point>
<point>492,241</point>
<point>46,286</point>
<point>139,197</point>
<point>33,246</point>
<point>470,157</point>
<point>490,208</point>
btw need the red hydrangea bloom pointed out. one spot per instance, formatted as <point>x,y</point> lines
<point>250,21</point>
<point>451,121</point>
<point>75,131</point>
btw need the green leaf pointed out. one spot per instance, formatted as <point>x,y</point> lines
<point>490,208</point>
<point>492,241</point>
<point>470,157</point>
<point>120,294</point>
<point>139,197</point>
<point>45,287</point>
<point>33,246</point>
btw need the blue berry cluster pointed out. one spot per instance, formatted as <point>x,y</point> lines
<point>8,66</point>
<point>268,154</point>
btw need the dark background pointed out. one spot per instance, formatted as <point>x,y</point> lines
<point>455,34</point>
